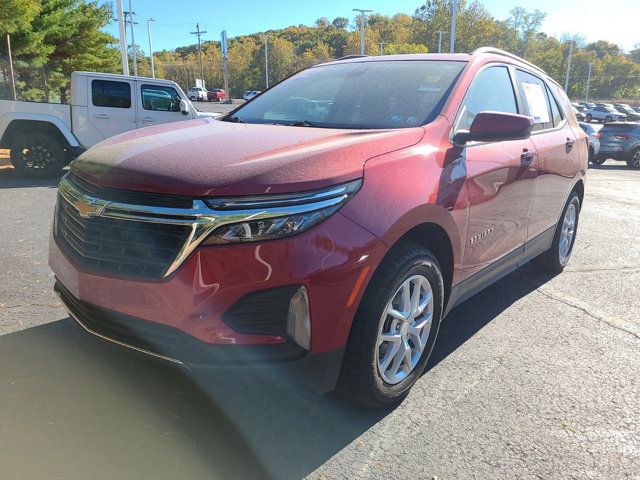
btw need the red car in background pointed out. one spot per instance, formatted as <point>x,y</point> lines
<point>326,227</point>
<point>216,95</point>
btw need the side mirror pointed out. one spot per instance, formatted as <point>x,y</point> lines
<point>495,127</point>
<point>184,107</point>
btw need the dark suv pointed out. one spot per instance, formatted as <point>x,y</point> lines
<point>620,141</point>
<point>326,227</point>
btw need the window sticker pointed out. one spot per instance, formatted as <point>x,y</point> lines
<point>537,102</point>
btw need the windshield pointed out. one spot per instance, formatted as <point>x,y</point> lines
<point>385,94</point>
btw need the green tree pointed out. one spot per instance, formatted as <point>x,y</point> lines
<point>525,24</point>
<point>16,15</point>
<point>341,22</point>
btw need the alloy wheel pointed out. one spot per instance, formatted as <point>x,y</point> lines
<point>567,233</point>
<point>36,156</point>
<point>404,329</point>
<point>635,159</point>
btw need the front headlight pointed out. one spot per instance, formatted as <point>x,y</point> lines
<point>268,217</point>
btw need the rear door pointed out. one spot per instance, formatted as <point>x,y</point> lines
<point>158,104</point>
<point>111,109</point>
<point>555,143</point>
<point>500,178</point>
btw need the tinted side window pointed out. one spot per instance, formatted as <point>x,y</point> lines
<point>534,95</point>
<point>491,90</point>
<point>106,93</point>
<point>159,98</point>
<point>556,114</point>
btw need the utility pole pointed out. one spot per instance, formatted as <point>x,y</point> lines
<point>382,44</point>
<point>440,33</point>
<point>153,69</point>
<point>199,34</point>
<point>265,37</point>
<point>586,97</point>
<point>13,78</point>
<point>123,39</point>
<point>362,17</point>
<point>134,50</point>
<point>566,81</point>
<point>223,47</point>
<point>453,25</point>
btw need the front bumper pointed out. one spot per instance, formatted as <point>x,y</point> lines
<point>318,372</point>
<point>334,261</point>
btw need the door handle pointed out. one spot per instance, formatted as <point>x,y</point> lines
<point>569,144</point>
<point>147,119</point>
<point>526,156</point>
<point>102,115</point>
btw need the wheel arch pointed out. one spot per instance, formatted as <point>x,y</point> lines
<point>53,126</point>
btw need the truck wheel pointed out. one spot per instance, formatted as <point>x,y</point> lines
<point>37,155</point>
<point>395,328</point>
<point>556,258</point>
<point>634,160</point>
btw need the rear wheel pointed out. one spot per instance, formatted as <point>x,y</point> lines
<point>395,328</point>
<point>596,160</point>
<point>608,119</point>
<point>557,257</point>
<point>634,160</point>
<point>589,117</point>
<point>37,155</point>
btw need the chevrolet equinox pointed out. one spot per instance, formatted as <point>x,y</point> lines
<point>328,225</point>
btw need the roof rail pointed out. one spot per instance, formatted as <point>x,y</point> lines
<point>504,53</point>
<point>347,57</point>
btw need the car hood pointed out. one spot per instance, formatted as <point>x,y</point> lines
<point>208,157</point>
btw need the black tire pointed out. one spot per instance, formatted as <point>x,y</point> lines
<point>634,160</point>
<point>596,160</point>
<point>588,118</point>
<point>37,155</point>
<point>360,380</point>
<point>608,119</point>
<point>551,261</point>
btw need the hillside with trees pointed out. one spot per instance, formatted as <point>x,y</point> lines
<point>54,37</point>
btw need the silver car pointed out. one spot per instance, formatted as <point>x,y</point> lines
<point>604,113</point>
<point>594,144</point>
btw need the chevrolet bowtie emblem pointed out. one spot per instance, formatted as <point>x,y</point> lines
<point>88,208</point>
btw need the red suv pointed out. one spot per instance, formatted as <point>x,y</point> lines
<point>326,227</point>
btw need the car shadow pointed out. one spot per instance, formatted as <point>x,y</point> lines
<point>9,178</point>
<point>611,165</point>
<point>75,406</point>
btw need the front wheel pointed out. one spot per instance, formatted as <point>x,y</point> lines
<point>634,160</point>
<point>589,118</point>
<point>557,257</point>
<point>608,119</point>
<point>37,155</point>
<point>596,160</point>
<point>395,328</point>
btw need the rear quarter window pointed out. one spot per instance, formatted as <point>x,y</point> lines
<point>107,93</point>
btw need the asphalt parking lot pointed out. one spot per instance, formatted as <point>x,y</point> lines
<point>536,377</point>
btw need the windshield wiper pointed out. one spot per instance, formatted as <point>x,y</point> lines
<point>233,119</point>
<point>302,123</point>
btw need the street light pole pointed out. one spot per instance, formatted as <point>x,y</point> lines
<point>133,43</point>
<point>266,59</point>
<point>382,44</point>
<point>440,33</point>
<point>363,12</point>
<point>586,97</point>
<point>13,78</point>
<point>566,81</point>
<point>153,69</point>
<point>453,25</point>
<point>123,39</point>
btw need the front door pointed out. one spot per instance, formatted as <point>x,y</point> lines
<point>500,178</point>
<point>111,109</point>
<point>158,104</point>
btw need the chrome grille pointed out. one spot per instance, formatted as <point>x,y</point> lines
<point>118,246</point>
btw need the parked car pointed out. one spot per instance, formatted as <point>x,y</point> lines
<point>266,251</point>
<point>587,105</point>
<point>579,115</point>
<point>628,111</point>
<point>216,95</point>
<point>249,94</point>
<point>621,141</point>
<point>604,113</point>
<point>198,94</point>
<point>594,143</point>
<point>44,137</point>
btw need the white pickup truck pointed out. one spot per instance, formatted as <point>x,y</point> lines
<point>44,137</point>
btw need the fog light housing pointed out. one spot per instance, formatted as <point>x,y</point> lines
<point>298,320</point>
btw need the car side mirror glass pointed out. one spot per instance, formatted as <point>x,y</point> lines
<point>184,107</point>
<point>495,127</point>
